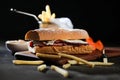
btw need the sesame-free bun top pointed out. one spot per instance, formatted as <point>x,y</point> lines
<point>55,34</point>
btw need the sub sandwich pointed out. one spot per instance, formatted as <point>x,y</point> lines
<point>52,38</point>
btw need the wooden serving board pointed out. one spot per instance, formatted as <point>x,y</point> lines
<point>109,51</point>
<point>112,51</point>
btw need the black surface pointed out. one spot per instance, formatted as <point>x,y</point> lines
<point>9,71</point>
<point>94,16</point>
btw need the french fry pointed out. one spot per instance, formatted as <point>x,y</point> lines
<point>76,58</point>
<point>47,56</point>
<point>45,16</point>
<point>72,62</point>
<point>40,16</point>
<point>53,16</point>
<point>66,66</point>
<point>60,70</point>
<point>48,12</point>
<point>95,63</point>
<point>26,62</point>
<point>100,63</point>
<point>42,67</point>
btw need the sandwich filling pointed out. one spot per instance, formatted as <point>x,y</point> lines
<point>56,46</point>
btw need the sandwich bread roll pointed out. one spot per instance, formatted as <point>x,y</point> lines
<point>55,34</point>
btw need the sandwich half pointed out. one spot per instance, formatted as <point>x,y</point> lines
<point>68,41</point>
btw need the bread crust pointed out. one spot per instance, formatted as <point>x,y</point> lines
<point>68,49</point>
<point>55,34</point>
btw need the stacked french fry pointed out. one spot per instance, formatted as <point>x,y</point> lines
<point>45,16</point>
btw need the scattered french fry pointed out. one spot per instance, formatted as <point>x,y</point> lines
<point>100,63</point>
<point>60,70</point>
<point>76,58</point>
<point>26,62</point>
<point>42,67</point>
<point>66,66</point>
<point>95,63</point>
<point>72,62</point>
<point>47,56</point>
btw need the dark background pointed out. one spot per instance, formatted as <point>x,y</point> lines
<point>98,17</point>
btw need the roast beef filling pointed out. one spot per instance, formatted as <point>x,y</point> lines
<point>65,46</point>
<point>58,43</point>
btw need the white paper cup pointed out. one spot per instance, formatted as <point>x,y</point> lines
<point>17,45</point>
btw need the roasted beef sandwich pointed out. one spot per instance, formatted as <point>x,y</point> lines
<point>71,42</point>
<point>53,39</point>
